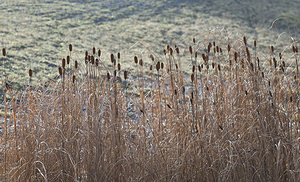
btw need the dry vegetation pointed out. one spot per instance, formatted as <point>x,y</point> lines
<point>234,118</point>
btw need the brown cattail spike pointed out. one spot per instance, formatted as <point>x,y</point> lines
<point>60,71</point>
<point>191,50</point>
<point>271,49</point>
<point>94,50</point>
<point>194,40</point>
<point>119,55</point>
<point>171,51</point>
<point>177,50</point>
<point>228,47</point>
<point>99,52</point>
<point>107,76</point>
<point>74,78</point>
<point>162,65</point>
<point>4,52</point>
<point>141,62</point>
<point>70,47</point>
<point>245,40</point>
<point>150,67</point>
<point>63,63</point>
<point>135,60</point>
<point>157,66</point>
<point>254,43</point>
<point>164,51</point>
<point>119,66</point>
<point>125,75</point>
<point>76,64</point>
<point>68,59</point>
<point>7,86</point>
<point>192,77</point>
<point>112,58</point>
<point>30,72</point>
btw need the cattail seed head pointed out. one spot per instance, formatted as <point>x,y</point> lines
<point>217,49</point>
<point>214,50</point>
<point>193,68</point>
<point>74,78</point>
<point>168,47</point>
<point>151,56</point>
<point>213,65</point>
<point>196,54</point>
<point>254,43</point>
<point>191,50</point>
<point>274,62</point>
<point>68,59</point>
<point>245,40</point>
<point>125,75</point>
<point>171,51</point>
<point>76,64</point>
<point>192,77</point>
<point>177,50</point>
<point>63,63</point>
<point>86,54</point>
<point>70,47</point>
<point>221,50</point>
<point>141,62</point>
<point>280,56</point>
<point>214,43</point>
<point>94,50</point>
<point>164,51</point>
<point>199,68</point>
<point>97,62</point>
<point>30,72</point>
<point>119,66</point>
<point>262,74</point>
<point>162,65</point>
<point>107,76</point>
<point>112,58</point>
<point>99,52</point>
<point>176,66</point>
<point>150,67</point>
<point>135,60</point>
<point>271,49</point>
<point>7,86</point>
<point>4,52</point>
<point>228,47</point>
<point>183,90</point>
<point>203,57</point>
<point>60,71</point>
<point>157,66</point>
<point>119,55</point>
<point>235,56</point>
<point>219,67</point>
<point>194,40</point>
<point>115,73</point>
<point>230,63</point>
<point>283,63</point>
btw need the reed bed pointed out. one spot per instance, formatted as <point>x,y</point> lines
<point>235,117</point>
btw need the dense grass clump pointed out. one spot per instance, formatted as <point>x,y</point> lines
<point>232,117</point>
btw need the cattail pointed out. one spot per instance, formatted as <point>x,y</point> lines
<point>219,67</point>
<point>74,78</point>
<point>271,49</point>
<point>213,65</point>
<point>176,66</point>
<point>162,65</point>
<point>92,59</point>
<point>175,91</point>
<point>151,56</point>
<point>274,62</point>
<point>59,71</point>
<point>115,73</point>
<point>208,48</point>
<point>112,58</point>
<point>119,66</point>
<point>203,57</point>
<point>4,52</point>
<point>217,49</point>
<point>245,41</point>
<point>191,50</point>
<point>193,68</point>
<point>214,43</point>
<point>86,54</point>
<point>291,99</point>
<point>262,74</point>
<point>248,54</point>
<point>157,66</point>
<point>194,40</point>
<point>199,68</point>
<point>141,62</point>
<point>164,51</point>
<point>150,67</point>
<point>221,50</point>
<point>228,47</point>
<point>283,63</point>
<point>107,76</point>
<point>119,55</point>
<point>97,62</point>
<point>94,50</point>
<point>196,54</point>
<point>30,73</point>
<point>63,63</point>
<point>177,50</point>
<point>70,47</point>
<point>135,60</point>
<point>168,47</point>
<point>183,90</point>
<point>125,75</point>
<point>214,50</point>
<point>254,43</point>
<point>68,59</point>
<point>252,67</point>
<point>192,77</point>
<point>230,63</point>
<point>235,56</point>
<point>280,56</point>
<point>99,52</point>
<point>246,93</point>
<point>296,49</point>
<point>171,51</point>
<point>76,64</point>
<point>7,86</point>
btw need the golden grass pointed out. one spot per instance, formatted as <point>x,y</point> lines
<point>235,118</point>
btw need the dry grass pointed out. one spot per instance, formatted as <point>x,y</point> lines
<point>235,118</point>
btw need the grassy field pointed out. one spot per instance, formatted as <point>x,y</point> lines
<point>150,91</point>
<point>36,33</point>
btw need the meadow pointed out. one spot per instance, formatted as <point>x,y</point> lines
<point>149,90</point>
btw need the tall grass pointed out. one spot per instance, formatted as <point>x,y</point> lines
<point>235,118</point>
